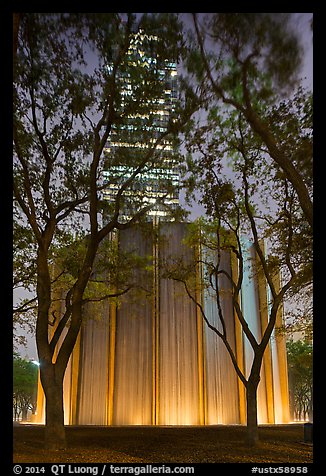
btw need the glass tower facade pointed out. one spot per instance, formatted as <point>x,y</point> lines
<point>148,90</point>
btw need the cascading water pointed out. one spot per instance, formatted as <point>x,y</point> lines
<point>152,361</point>
<point>93,373</point>
<point>178,346</point>
<point>133,345</point>
<point>222,383</point>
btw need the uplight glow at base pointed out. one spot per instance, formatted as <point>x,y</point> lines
<point>155,362</point>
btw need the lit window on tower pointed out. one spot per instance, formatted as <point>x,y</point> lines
<point>145,111</point>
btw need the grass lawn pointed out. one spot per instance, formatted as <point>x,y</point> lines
<point>139,444</point>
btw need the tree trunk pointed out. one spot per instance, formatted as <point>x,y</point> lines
<point>55,434</point>
<point>252,420</point>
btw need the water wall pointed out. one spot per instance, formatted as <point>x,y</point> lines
<point>151,360</point>
<point>222,384</point>
<point>133,376</point>
<point>93,373</point>
<point>178,393</point>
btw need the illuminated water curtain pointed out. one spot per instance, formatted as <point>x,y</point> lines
<point>155,362</point>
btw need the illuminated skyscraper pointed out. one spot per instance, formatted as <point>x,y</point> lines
<point>148,94</point>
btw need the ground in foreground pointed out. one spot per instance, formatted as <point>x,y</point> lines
<point>204,444</point>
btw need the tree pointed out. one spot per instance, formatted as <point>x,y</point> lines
<point>24,387</point>
<point>300,354</point>
<point>248,63</point>
<point>246,197</point>
<point>67,104</point>
<point>218,242</point>
<point>292,122</point>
